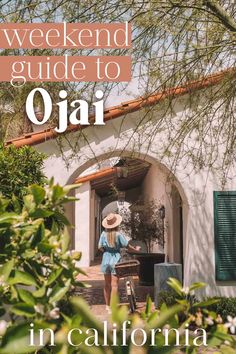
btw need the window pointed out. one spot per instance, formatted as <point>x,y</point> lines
<point>225,235</point>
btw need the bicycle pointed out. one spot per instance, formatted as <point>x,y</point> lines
<point>126,270</point>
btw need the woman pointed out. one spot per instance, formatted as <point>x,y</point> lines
<point>110,243</point>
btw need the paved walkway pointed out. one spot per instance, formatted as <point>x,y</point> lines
<point>94,294</point>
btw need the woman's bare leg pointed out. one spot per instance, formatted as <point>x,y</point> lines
<point>107,288</point>
<point>114,285</point>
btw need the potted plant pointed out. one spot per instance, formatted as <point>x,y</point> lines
<point>144,222</point>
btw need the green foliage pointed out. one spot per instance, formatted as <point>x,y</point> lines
<point>186,296</point>
<point>226,306</point>
<point>37,270</point>
<point>88,332</point>
<point>19,168</point>
<point>166,297</point>
<point>143,222</point>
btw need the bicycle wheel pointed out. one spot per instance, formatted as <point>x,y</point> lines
<point>131,303</point>
<point>131,296</point>
<point>134,298</point>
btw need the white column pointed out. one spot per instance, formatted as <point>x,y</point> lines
<point>168,226</point>
<point>92,225</point>
<point>83,223</point>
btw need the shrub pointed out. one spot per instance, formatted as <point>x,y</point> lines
<point>226,306</point>
<point>144,222</point>
<point>16,339</point>
<point>19,168</point>
<point>37,270</point>
<point>166,297</point>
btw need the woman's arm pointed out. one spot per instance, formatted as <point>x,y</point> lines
<point>124,243</point>
<point>133,249</point>
<point>101,243</point>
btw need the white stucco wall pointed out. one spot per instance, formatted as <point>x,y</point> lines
<point>157,187</point>
<point>83,230</point>
<point>154,189</point>
<point>154,184</point>
<point>196,189</point>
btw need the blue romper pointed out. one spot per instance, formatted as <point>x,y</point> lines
<point>111,255</point>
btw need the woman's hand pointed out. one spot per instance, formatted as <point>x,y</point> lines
<point>138,248</point>
<point>134,249</point>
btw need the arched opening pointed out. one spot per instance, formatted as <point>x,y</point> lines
<point>104,184</point>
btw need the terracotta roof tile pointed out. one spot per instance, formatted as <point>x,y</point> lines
<point>94,175</point>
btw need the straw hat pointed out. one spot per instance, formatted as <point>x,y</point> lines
<point>111,221</point>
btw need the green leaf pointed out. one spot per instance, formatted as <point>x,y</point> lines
<point>45,247</point>
<point>2,311</point>
<point>163,307</point>
<point>54,228</point>
<point>22,309</point>
<point>26,296</point>
<point>14,294</point>
<point>9,218</point>
<point>183,302</point>
<point>198,285</point>
<point>20,277</point>
<point>51,182</point>
<point>206,303</point>
<point>29,254</point>
<point>41,213</point>
<point>6,269</point>
<point>16,339</point>
<point>57,193</point>
<point>39,292</point>
<point>67,319</point>
<point>70,187</point>
<point>81,271</point>
<point>29,203</point>
<point>122,314</point>
<point>4,204</point>
<point>225,349</point>
<point>148,307</point>
<point>153,316</point>
<point>114,304</point>
<point>54,275</point>
<point>81,307</point>
<point>165,316</point>
<point>38,193</point>
<point>16,204</point>
<point>38,236</point>
<point>76,255</point>
<point>61,218</point>
<point>59,292</point>
<point>65,241</point>
<point>82,284</point>
<point>175,285</point>
<point>223,336</point>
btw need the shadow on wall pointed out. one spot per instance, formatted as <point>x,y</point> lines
<point>118,129</point>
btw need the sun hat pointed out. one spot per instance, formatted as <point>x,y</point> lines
<point>111,221</point>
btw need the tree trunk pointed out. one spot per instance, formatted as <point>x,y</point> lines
<point>27,125</point>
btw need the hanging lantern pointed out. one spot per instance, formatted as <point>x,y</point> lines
<point>122,170</point>
<point>162,212</point>
<point>121,197</point>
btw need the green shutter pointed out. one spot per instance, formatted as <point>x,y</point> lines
<point>225,235</point>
